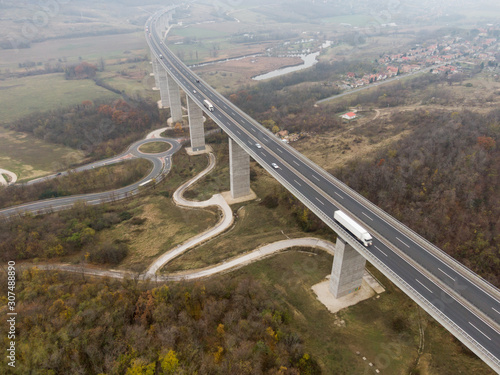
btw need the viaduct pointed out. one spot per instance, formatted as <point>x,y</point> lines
<point>464,303</point>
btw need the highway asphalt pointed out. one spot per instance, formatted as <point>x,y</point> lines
<point>160,166</point>
<point>438,281</point>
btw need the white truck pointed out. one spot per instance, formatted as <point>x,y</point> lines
<point>209,105</point>
<point>357,230</point>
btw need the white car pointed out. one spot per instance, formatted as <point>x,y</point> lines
<point>275,166</point>
<point>258,145</point>
<point>194,91</point>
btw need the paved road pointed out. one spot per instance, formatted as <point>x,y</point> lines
<point>160,167</point>
<point>460,300</point>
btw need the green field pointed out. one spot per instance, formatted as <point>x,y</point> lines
<point>197,32</point>
<point>23,96</point>
<point>29,157</point>
<point>251,17</point>
<point>73,50</point>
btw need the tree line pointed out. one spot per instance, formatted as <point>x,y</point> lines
<point>73,232</point>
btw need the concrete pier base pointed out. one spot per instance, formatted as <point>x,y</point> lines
<point>208,149</point>
<point>239,170</point>
<point>347,270</point>
<point>196,128</point>
<point>370,287</point>
<point>245,198</point>
<point>174,96</point>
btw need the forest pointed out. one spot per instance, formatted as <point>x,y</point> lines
<point>84,182</point>
<point>73,325</point>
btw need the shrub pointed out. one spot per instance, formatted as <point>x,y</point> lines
<point>109,253</point>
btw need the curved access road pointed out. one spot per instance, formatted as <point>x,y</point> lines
<point>161,164</point>
<point>224,223</point>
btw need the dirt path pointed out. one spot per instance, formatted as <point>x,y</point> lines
<point>224,223</point>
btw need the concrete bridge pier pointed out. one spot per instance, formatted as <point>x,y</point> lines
<point>163,85</point>
<point>196,128</point>
<point>156,70</point>
<point>175,100</point>
<point>239,170</point>
<point>347,270</point>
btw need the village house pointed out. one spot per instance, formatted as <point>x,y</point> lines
<point>349,115</point>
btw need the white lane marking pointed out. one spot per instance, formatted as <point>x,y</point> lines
<point>263,153</point>
<point>295,162</point>
<point>494,329</point>
<point>446,274</point>
<point>234,114</point>
<point>339,195</point>
<point>237,131</point>
<point>479,331</point>
<point>252,129</point>
<point>367,216</point>
<point>498,312</point>
<point>280,150</point>
<point>319,201</point>
<point>298,183</point>
<point>418,281</point>
<point>315,177</point>
<point>376,247</point>
<point>402,242</point>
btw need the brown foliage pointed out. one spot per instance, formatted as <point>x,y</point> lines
<point>442,181</point>
<point>101,326</point>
